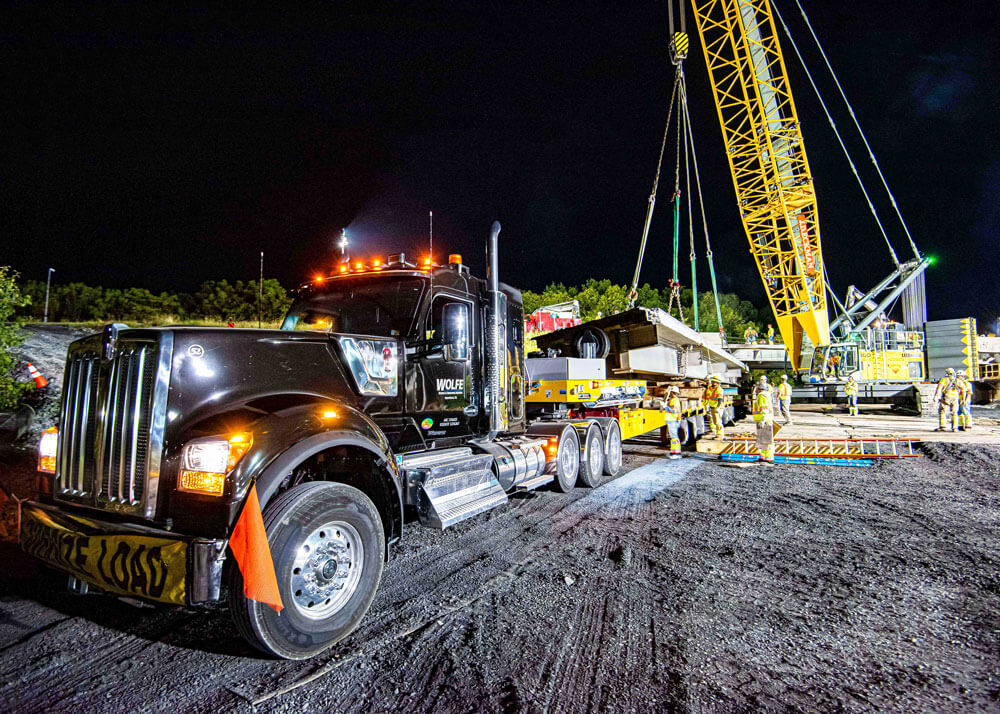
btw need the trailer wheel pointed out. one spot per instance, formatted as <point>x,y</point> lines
<point>567,463</point>
<point>682,431</point>
<point>613,450</point>
<point>327,543</point>
<point>592,458</point>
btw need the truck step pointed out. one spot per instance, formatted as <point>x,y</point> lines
<point>452,485</point>
<point>533,483</point>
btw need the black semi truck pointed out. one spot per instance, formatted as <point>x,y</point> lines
<point>392,393</point>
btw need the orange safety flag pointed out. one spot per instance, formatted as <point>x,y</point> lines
<point>253,555</point>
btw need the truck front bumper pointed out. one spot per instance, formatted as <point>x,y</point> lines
<point>124,558</point>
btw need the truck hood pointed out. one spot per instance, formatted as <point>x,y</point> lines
<point>215,370</point>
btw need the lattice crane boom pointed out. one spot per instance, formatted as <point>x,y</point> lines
<point>767,159</point>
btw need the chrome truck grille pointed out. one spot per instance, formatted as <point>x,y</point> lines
<point>111,424</point>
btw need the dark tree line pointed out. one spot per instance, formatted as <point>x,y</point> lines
<point>215,300</point>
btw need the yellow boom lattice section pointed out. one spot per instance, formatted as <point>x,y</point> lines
<point>768,162</point>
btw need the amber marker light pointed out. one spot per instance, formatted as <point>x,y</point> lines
<point>359,266</point>
<point>329,414</point>
<point>343,268</point>
<point>47,450</point>
<point>209,484</point>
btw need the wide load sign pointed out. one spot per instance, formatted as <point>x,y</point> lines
<point>120,563</point>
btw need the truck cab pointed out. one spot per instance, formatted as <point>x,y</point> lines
<point>435,318</point>
<point>393,392</point>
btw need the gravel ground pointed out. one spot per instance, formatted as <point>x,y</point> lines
<point>681,586</point>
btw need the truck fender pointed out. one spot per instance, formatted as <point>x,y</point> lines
<point>271,477</point>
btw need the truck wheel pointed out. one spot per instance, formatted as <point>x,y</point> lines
<point>592,458</point>
<point>327,543</point>
<point>613,450</point>
<point>567,460</point>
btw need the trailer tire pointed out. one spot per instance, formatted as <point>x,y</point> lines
<point>567,463</point>
<point>683,431</point>
<point>692,435</point>
<point>592,458</point>
<point>613,450</point>
<point>341,522</point>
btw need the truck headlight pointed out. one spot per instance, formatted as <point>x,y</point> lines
<point>372,363</point>
<point>205,462</point>
<point>47,450</point>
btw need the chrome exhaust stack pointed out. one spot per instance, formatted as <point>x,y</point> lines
<point>496,350</point>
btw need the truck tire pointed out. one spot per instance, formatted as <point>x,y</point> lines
<point>592,458</point>
<point>321,535</point>
<point>567,463</point>
<point>613,449</point>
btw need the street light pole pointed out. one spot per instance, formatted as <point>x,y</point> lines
<point>48,283</point>
<point>260,292</point>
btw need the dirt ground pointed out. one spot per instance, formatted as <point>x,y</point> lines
<point>681,586</point>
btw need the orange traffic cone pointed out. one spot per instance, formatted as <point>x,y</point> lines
<point>40,381</point>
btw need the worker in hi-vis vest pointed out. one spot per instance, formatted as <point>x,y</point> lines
<point>770,334</point>
<point>851,390</point>
<point>947,396</point>
<point>763,416</point>
<point>673,415</point>
<point>750,335</point>
<point>964,401</point>
<point>714,400</point>
<point>785,399</point>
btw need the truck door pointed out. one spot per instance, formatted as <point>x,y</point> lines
<point>442,399</point>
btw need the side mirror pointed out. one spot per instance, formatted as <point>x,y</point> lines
<point>456,332</point>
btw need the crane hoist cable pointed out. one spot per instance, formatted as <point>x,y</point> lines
<point>704,220</point>
<point>633,291</point>
<point>675,282</point>
<point>836,132</point>
<point>857,125</point>
<point>687,185</point>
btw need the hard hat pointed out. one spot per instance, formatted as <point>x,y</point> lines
<point>784,378</point>
<point>950,372</point>
<point>762,380</point>
<point>715,378</point>
<point>672,389</point>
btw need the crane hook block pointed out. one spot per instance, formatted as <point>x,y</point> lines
<point>678,47</point>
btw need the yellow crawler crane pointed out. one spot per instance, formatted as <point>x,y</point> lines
<point>767,158</point>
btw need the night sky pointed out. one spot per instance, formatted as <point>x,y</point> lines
<point>163,148</point>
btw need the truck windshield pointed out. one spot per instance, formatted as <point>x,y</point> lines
<point>382,306</point>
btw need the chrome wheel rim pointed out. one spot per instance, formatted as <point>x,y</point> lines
<point>596,456</point>
<point>614,451</point>
<point>326,570</point>
<point>569,457</point>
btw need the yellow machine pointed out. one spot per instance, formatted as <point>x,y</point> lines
<point>888,355</point>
